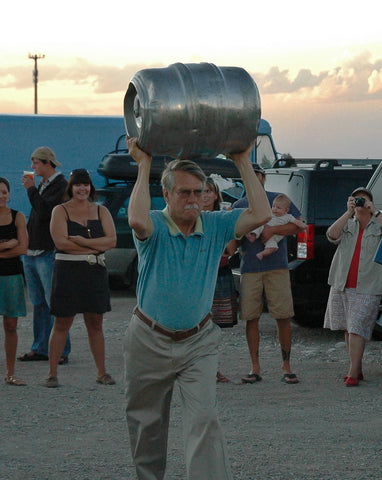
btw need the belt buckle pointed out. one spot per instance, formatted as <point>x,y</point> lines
<point>183,334</point>
<point>92,261</point>
<point>177,335</point>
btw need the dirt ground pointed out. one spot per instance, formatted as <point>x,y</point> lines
<point>315,430</point>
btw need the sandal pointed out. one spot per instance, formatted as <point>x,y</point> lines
<point>12,380</point>
<point>251,378</point>
<point>220,378</point>
<point>289,378</point>
<point>105,379</point>
<point>33,357</point>
<point>51,382</point>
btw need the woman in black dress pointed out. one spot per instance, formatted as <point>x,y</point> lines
<point>82,231</point>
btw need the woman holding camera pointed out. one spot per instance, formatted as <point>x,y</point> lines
<point>355,279</point>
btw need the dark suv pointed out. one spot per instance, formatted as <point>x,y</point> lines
<point>320,190</point>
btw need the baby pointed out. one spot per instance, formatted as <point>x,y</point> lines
<point>280,216</point>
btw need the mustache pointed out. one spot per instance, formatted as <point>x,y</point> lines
<point>192,206</point>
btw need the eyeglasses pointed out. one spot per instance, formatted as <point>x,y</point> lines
<point>184,193</point>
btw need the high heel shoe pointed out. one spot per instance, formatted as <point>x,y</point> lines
<point>352,382</point>
<point>360,377</point>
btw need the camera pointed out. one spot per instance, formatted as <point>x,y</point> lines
<point>359,201</point>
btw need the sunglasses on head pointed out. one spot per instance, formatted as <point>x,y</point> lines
<point>79,171</point>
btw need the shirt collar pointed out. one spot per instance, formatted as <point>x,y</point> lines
<point>50,179</point>
<point>173,227</point>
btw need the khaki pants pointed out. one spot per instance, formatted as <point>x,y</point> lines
<point>277,288</point>
<point>153,363</point>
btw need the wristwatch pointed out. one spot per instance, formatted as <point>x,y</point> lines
<point>377,213</point>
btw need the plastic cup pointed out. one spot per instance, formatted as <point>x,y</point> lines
<point>225,205</point>
<point>29,174</point>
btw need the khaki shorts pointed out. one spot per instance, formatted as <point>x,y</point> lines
<point>276,285</point>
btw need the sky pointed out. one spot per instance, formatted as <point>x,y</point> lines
<point>317,64</point>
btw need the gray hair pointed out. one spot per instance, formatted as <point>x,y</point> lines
<point>168,176</point>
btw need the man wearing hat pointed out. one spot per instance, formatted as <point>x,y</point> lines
<point>269,276</point>
<point>39,261</point>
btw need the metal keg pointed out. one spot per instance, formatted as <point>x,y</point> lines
<point>194,110</point>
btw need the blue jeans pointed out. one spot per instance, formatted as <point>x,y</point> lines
<point>38,272</point>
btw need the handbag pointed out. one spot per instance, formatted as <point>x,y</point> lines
<point>234,260</point>
<point>378,254</point>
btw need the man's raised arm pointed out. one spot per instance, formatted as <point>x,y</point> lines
<point>140,200</point>
<point>258,211</point>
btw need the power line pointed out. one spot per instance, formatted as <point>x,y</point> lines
<point>35,57</point>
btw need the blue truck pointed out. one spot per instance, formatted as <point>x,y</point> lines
<point>78,141</point>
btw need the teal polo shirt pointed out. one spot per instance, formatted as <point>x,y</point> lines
<point>177,275</point>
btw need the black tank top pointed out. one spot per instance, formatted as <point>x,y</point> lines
<point>93,229</point>
<point>10,266</point>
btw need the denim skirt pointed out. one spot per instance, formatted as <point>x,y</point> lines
<point>12,296</point>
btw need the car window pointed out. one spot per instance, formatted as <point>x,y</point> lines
<point>331,194</point>
<point>265,154</point>
<point>291,184</point>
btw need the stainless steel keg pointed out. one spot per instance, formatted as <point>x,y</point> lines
<point>192,110</point>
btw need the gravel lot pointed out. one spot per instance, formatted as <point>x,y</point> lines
<point>315,430</point>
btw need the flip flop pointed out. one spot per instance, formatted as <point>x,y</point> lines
<point>251,378</point>
<point>220,378</point>
<point>289,378</point>
<point>35,357</point>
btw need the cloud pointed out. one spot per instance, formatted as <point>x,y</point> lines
<point>278,81</point>
<point>357,79</point>
<point>354,79</point>
<point>101,79</point>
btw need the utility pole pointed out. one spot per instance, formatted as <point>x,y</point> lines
<point>35,57</point>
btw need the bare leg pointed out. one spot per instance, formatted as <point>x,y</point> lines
<point>347,341</point>
<point>356,350</point>
<point>253,339</point>
<point>285,338</point>
<point>57,342</point>
<point>93,322</point>
<point>10,343</point>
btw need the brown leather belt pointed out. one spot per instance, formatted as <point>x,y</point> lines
<point>176,334</point>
